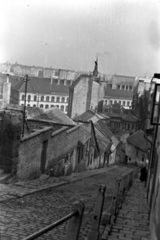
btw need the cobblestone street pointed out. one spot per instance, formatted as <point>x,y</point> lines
<point>22,216</point>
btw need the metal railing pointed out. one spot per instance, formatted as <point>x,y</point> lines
<point>73,227</point>
<point>122,185</point>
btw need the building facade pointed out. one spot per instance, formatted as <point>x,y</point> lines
<point>119,89</point>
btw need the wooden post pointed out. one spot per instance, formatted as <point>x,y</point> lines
<point>115,197</point>
<point>94,232</point>
<point>75,222</point>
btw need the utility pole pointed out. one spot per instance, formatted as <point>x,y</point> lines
<point>24,111</point>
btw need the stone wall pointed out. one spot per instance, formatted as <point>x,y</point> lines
<point>61,152</point>
<point>10,132</point>
<point>63,148</point>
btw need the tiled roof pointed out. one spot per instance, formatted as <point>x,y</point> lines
<point>115,93</point>
<point>104,116</point>
<point>42,85</point>
<point>56,115</point>
<point>137,139</point>
<point>85,137</point>
<point>104,129</point>
<point>101,136</point>
<point>86,116</point>
<point>129,117</point>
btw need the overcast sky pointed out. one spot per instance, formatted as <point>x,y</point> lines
<point>68,34</point>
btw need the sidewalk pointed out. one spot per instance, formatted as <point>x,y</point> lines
<point>132,222</point>
<point>23,188</point>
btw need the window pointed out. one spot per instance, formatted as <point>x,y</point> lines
<point>58,99</point>
<point>35,98</point>
<point>63,99</point>
<point>41,106</point>
<point>42,98</point>
<point>62,108</point>
<point>23,97</point>
<point>46,106</point>
<point>128,103</point>
<point>62,82</point>
<point>68,82</point>
<point>120,102</point>
<point>57,106</point>
<point>28,105</point>
<point>111,102</point>
<point>126,87</point>
<point>53,99</point>
<point>66,108</point>
<point>118,86</point>
<point>130,88</point>
<point>47,99</point>
<point>123,103</point>
<point>123,87</point>
<point>29,98</point>
<point>34,105</point>
<point>52,106</point>
<point>115,101</point>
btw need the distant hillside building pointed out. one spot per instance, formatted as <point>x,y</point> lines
<point>119,89</point>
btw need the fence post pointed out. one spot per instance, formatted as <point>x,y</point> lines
<point>115,197</point>
<point>94,232</point>
<point>75,222</point>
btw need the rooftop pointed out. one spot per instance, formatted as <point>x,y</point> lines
<point>137,139</point>
<point>56,115</point>
<point>109,92</point>
<point>41,85</point>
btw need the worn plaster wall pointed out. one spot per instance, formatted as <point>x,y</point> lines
<point>80,97</point>
<point>154,192</point>
<point>95,95</point>
<point>61,152</point>
<point>30,152</point>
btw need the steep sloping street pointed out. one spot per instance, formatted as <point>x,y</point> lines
<point>20,217</point>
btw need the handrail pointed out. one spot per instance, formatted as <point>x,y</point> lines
<point>51,226</point>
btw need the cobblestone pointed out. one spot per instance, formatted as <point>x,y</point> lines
<point>28,214</point>
<point>132,220</point>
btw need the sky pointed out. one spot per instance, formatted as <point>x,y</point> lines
<point>70,34</point>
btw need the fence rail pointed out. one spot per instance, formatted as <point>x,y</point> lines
<point>122,185</point>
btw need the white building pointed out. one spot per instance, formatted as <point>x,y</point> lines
<point>44,93</point>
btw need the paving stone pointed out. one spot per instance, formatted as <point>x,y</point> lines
<point>132,219</point>
<point>30,213</point>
